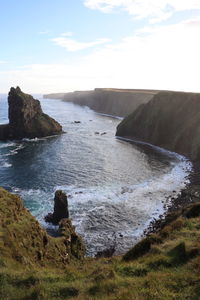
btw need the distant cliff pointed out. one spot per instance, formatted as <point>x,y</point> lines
<point>116,102</point>
<point>26,118</point>
<point>170,120</point>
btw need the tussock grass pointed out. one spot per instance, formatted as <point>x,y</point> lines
<point>163,266</point>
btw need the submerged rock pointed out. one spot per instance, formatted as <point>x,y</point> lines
<point>60,208</point>
<point>26,118</point>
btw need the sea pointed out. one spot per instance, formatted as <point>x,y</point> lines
<point>115,187</point>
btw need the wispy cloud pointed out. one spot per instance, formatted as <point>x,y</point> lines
<point>72,45</point>
<point>68,33</point>
<point>3,62</point>
<point>155,10</point>
<point>157,57</point>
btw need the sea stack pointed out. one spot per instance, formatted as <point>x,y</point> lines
<point>26,118</point>
<point>60,208</point>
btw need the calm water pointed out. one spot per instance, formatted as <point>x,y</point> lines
<point>114,188</point>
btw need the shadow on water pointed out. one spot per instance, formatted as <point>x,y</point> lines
<point>154,155</point>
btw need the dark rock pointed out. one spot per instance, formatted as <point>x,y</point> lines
<point>138,250</point>
<point>109,252</point>
<point>28,243</point>
<point>103,133</point>
<point>192,211</point>
<point>96,132</point>
<point>60,208</point>
<point>67,230</point>
<point>77,122</point>
<point>26,118</point>
<point>178,254</point>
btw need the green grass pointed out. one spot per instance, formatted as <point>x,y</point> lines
<point>164,266</point>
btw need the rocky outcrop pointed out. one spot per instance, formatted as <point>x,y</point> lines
<point>26,118</point>
<point>60,208</point>
<point>171,120</point>
<point>116,102</point>
<point>23,240</point>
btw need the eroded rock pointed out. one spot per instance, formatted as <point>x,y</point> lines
<point>24,241</point>
<point>26,118</point>
<point>60,208</point>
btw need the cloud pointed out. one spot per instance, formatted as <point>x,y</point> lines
<point>157,57</point>
<point>72,45</point>
<point>154,10</point>
<point>193,22</point>
<point>3,62</point>
<point>68,33</point>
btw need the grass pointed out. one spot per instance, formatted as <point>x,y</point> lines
<point>163,266</point>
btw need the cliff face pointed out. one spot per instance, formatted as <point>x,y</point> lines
<point>23,240</point>
<point>26,118</point>
<point>116,102</point>
<point>170,120</point>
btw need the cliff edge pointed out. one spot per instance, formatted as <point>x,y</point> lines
<point>171,120</point>
<point>115,102</point>
<point>23,241</point>
<point>26,118</point>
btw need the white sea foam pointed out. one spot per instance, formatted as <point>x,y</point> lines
<point>6,145</point>
<point>5,165</point>
<point>127,210</point>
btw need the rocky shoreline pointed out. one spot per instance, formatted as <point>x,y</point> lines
<point>188,195</point>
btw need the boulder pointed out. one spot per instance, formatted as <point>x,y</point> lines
<point>60,208</point>
<point>26,118</point>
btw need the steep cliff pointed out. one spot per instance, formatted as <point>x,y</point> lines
<point>116,102</point>
<point>26,118</point>
<point>22,240</point>
<point>170,120</point>
<point>162,266</point>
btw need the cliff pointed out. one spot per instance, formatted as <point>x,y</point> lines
<point>116,102</point>
<point>26,118</point>
<point>24,242</point>
<point>164,265</point>
<point>171,120</point>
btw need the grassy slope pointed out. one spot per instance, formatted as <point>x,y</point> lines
<point>169,270</point>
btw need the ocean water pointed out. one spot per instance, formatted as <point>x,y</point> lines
<point>114,187</point>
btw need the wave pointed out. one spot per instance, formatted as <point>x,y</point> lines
<point>107,214</point>
<point>6,145</point>
<point>33,140</point>
<point>5,165</point>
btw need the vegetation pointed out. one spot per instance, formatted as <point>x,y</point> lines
<point>165,265</point>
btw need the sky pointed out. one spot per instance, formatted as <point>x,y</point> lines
<point>65,45</point>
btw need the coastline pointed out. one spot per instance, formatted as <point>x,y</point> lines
<point>178,202</point>
<point>188,195</point>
